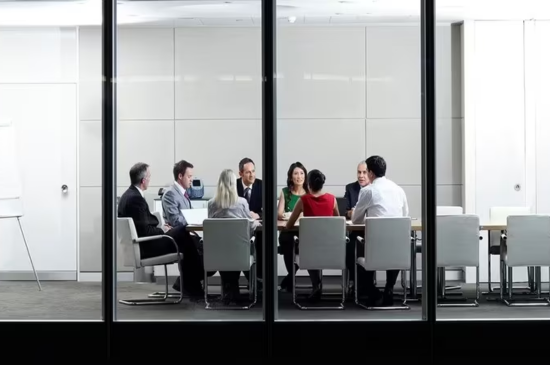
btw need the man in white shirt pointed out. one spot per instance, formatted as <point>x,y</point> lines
<point>382,198</point>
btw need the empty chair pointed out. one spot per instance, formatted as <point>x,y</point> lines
<point>447,210</point>
<point>128,238</point>
<point>499,215</point>
<point>227,247</point>
<point>458,245</point>
<point>387,247</point>
<point>322,247</point>
<point>527,243</point>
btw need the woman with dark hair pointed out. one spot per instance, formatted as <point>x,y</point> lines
<point>295,188</point>
<point>316,203</point>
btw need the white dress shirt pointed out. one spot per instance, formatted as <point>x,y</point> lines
<point>140,191</point>
<point>181,189</point>
<point>382,198</point>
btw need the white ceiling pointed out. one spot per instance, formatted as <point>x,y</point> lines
<point>248,12</point>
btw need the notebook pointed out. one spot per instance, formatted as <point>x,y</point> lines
<point>195,217</point>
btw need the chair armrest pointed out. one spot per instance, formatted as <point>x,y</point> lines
<point>296,239</point>
<point>360,240</point>
<point>503,236</point>
<point>253,239</point>
<point>154,238</point>
<point>347,239</point>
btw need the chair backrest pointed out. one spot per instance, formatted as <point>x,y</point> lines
<point>449,210</point>
<point>160,219</point>
<point>528,240</point>
<point>127,236</point>
<point>342,206</point>
<point>323,243</point>
<point>226,244</point>
<point>499,215</point>
<point>11,208</point>
<point>457,240</point>
<point>387,243</point>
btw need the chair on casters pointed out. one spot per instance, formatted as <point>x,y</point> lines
<point>322,247</point>
<point>387,247</point>
<point>457,245</point>
<point>227,246</point>
<point>527,243</point>
<point>128,238</point>
<point>12,208</point>
<point>495,240</point>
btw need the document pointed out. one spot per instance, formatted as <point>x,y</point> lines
<point>195,217</point>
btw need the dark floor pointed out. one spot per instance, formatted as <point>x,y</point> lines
<point>82,301</point>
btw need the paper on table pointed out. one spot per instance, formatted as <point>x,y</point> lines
<point>195,216</point>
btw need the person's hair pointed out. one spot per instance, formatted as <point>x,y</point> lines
<point>289,182</point>
<point>243,162</point>
<point>315,180</point>
<point>180,168</point>
<point>226,193</point>
<point>376,165</point>
<point>138,173</point>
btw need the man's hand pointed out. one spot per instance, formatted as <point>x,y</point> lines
<point>166,228</point>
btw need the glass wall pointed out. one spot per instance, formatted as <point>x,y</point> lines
<point>491,159</point>
<point>50,171</point>
<point>189,141</point>
<point>349,110</point>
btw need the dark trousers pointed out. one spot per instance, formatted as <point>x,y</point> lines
<point>286,241</point>
<point>192,267</point>
<point>366,278</point>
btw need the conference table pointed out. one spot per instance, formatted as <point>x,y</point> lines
<point>416,226</point>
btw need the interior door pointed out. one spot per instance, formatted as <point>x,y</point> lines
<point>45,121</point>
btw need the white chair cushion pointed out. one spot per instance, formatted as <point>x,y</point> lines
<point>226,244</point>
<point>528,241</point>
<point>323,243</point>
<point>387,243</point>
<point>457,240</point>
<point>161,260</point>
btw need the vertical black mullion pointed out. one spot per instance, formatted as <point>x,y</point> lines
<point>269,156</point>
<point>429,197</point>
<point>108,159</point>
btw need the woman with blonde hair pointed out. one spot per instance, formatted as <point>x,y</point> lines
<point>227,204</point>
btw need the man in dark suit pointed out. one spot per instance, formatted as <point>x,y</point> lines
<point>352,196</point>
<point>250,188</point>
<point>133,205</point>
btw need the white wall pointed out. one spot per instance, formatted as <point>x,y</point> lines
<point>343,94</point>
<point>506,127</point>
<point>38,93</point>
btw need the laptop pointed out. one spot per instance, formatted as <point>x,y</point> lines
<point>195,217</point>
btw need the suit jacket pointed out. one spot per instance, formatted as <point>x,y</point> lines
<point>256,203</point>
<point>352,195</point>
<point>133,205</point>
<point>173,201</point>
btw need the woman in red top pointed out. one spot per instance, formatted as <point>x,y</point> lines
<point>316,203</point>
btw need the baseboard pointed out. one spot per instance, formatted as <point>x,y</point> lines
<point>42,275</point>
<point>96,277</point>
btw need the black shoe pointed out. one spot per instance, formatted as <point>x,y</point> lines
<point>177,286</point>
<point>316,293</point>
<point>387,300</point>
<point>375,299</point>
<point>286,284</point>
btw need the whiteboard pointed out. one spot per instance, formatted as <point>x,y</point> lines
<point>10,180</point>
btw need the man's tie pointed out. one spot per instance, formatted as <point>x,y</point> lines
<point>188,199</point>
<point>247,195</point>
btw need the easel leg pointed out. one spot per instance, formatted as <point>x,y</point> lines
<point>29,253</point>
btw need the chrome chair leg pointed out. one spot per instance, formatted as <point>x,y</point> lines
<point>535,302</point>
<point>155,301</point>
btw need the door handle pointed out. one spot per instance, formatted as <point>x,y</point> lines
<point>64,189</point>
